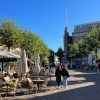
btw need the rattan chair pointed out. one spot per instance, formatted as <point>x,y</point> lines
<point>44,85</point>
<point>14,86</point>
<point>3,87</point>
<point>32,85</point>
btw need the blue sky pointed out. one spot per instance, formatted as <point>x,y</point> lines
<point>47,18</point>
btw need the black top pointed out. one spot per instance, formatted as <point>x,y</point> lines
<point>58,72</point>
<point>64,72</point>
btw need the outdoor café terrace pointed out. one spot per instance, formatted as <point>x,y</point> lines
<point>24,83</point>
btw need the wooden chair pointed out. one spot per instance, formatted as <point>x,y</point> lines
<point>44,85</point>
<point>32,85</point>
<point>14,86</point>
<point>1,92</point>
<point>7,79</point>
<point>25,86</point>
<point>3,87</point>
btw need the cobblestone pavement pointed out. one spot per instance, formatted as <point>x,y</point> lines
<point>81,86</point>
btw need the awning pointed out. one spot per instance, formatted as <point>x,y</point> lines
<point>8,56</point>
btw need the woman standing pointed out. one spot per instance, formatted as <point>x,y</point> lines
<point>65,75</point>
<point>58,75</point>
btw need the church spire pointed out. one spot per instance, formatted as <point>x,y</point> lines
<point>66,22</point>
<point>66,34</point>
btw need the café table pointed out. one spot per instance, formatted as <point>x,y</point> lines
<point>38,77</point>
<point>38,82</point>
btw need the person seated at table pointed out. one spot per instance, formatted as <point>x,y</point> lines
<point>46,72</point>
<point>14,70</point>
<point>42,72</point>
<point>15,74</point>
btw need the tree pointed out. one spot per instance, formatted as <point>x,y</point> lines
<point>9,34</point>
<point>73,50</point>
<point>12,36</point>
<point>51,57</point>
<point>59,53</point>
<point>36,46</point>
<point>92,41</point>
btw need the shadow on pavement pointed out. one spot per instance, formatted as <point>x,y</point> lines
<point>86,92</point>
<point>75,94</point>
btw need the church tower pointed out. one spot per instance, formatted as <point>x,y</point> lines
<point>65,40</point>
<point>66,35</point>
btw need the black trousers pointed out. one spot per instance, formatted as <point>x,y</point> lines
<point>58,80</point>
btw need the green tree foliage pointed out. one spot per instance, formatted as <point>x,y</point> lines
<point>13,36</point>
<point>60,53</point>
<point>9,34</point>
<point>73,50</point>
<point>90,43</point>
<point>34,44</point>
<point>51,57</point>
<point>82,48</point>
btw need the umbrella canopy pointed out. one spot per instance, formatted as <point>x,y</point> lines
<point>8,56</point>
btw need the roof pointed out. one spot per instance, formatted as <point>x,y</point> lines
<point>96,22</point>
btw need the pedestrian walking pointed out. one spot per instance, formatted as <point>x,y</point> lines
<point>98,68</point>
<point>65,75</point>
<point>58,75</point>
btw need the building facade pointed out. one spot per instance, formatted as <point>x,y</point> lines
<point>82,29</point>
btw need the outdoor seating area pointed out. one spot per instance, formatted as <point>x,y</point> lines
<point>7,85</point>
<point>24,84</point>
<point>17,80</point>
